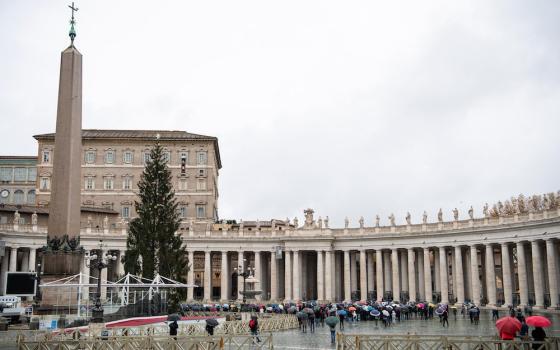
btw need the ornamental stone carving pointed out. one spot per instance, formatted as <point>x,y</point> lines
<point>309,221</point>
<point>16,217</point>
<point>89,221</point>
<point>105,222</point>
<point>34,218</point>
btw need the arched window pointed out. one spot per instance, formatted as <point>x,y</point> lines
<point>18,196</point>
<point>31,197</point>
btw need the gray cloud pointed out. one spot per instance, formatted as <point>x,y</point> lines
<point>352,109</point>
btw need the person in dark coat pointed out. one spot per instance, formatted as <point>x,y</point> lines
<point>173,326</point>
<point>538,335</point>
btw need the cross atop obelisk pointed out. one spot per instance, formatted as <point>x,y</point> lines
<point>72,22</point>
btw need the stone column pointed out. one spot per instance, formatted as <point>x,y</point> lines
<point>475,277</point>
<point>224,273</point>
<point>522,275</point>
<point>387,271</point>
<point>403,266</point>
<point>490,275</point>
<point>258,274</point>
<point>320,276</point>
<point>3,271</point>
<point>411,275</point>
<point>13,258</point>
<point>379,274</point>
<point>421,278</point>
<point>207,276</point>
<point>459,279</point>
<point>427,276</point>
<point>537,274</point>
<point>103,277</point>
<point>506,275</point>
<point>443,273</point>
<point>347,291</point>
<point>240,268</point>
<point>288,275</point>
<point>273,276</point>
<point>85,278</point>
<point>328,279</point>
<point>437,275</point>
<point>297,277</point>
<point>396,279</point>
<point>353,273</point>
<point>552,272</point>
<point>25,261</point>
<point>32,259</point>
<point>190,276</point>
<point>370,273</point>
<point>363,275</point>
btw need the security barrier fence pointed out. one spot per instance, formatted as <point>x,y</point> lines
<point>433,342</point>
<point>228,342</point>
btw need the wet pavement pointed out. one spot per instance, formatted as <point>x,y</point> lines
<point>295,339</point>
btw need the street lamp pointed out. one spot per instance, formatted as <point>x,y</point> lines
<point>239,272</point>
<point>99,263</point>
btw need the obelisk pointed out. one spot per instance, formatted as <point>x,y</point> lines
<point>64,208</point>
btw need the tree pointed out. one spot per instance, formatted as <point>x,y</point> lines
<point>152,243</point>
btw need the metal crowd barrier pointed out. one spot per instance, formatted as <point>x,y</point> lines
<point>432,342</point>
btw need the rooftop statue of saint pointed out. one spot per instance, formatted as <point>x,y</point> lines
<point>320,223</point>
<point>377,220</point>
<point>455,214</point>
<point>346,222</point>
<point>471,212</point>
<point>392,219</point>
<point>425,217</point>
<point>407,218</point>
<point>361,222</point>
<point>34,218</point>
<point>440,215</point>
<point>327,221</point>
<point>485,211</point>
<point>296,222</point>
<point>16,218</point>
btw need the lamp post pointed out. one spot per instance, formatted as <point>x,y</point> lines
<point>99,263</point>
<point>240,272</point>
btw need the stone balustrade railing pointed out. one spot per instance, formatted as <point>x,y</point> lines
<point>354,231</point>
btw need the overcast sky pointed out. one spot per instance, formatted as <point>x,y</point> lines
<point>351,108</point>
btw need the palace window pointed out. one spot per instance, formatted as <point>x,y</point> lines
<point>184,156</point>
<point>183,212</point>
<point>31,197</point>
<point>110,157</point>
<point>201,185</point>
<point>6,174</point>
<point>90,183</point>
<point>167,156</point>
<point>90,157</point>
<point>125,212</point>
<point>45,183</point>
<point>108,183</point>
<point>20,174</point>
<point>147,157</point>
<point>201,158</point>
<point>18,197</point>
<point>127,183</point>
<point>200,211</point>
<point>46,157</point>
<point>32,174</point>
<point>182,184</point>
<point>128,157</point>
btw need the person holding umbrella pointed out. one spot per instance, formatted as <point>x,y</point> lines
<point>254,327</point>
<point>210,324</point>
<point>341,316</point>
<point>331,321</point>
<point>173,326</point>
<point>538,334</point>
<point>508,327</point>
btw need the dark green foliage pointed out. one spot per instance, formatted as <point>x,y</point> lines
<point>152,245</point>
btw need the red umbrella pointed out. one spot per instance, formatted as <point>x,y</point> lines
<point>508,325</point>
<point>538,321</point>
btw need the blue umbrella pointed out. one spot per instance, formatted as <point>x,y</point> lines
<point>341,312</point>
<point>375,313</point>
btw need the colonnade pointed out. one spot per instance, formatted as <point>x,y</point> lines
<point>490,273</point>
<point>16,259</point>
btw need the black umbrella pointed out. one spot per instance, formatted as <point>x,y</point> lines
<point>173,317</point>
<point>212,322</point>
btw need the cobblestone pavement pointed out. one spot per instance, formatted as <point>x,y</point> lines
<point>296,340</point>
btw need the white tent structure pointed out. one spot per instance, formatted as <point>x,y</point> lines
<point>123,285</point>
